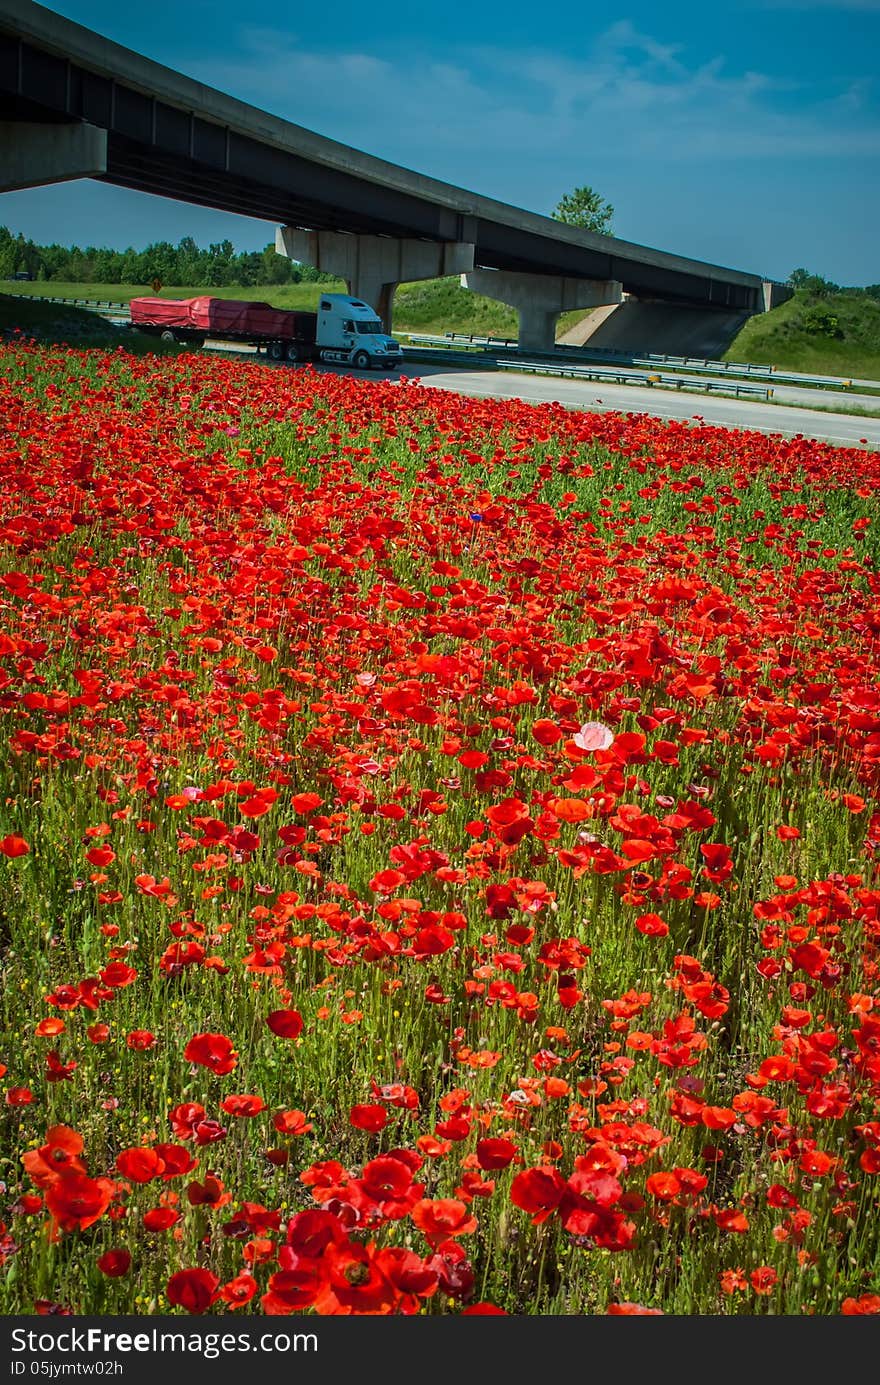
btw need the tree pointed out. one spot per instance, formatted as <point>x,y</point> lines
<point>587,208</point>
<point>812,283</point>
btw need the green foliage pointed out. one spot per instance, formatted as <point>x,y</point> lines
<point>586,208</point>
<point>814,284</point>
<point>819,287</point>
<point>442,305</point>
<point>819,330</point>
<point>185,263</point>
<point>819,322</point>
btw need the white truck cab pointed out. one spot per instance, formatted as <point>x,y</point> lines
<point>349,332</point>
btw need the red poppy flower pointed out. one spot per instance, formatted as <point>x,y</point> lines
<point>238,1291</point>
<point>291,1123</point>
<point>291,1290</point>
<point>185,1118</point>
<point>631,1310</point>
<point>19,1096</point>
<point>287,1024</point>
<point>764,1279</point>
<point>354,1281</point>
<point>538,1191</point>
<point>864,1304</point>
<point>140,1164</point>
<point>442,1219</point>
<point>214,1051</point>
<point>49,1028</point>
<point>160,1218</point>
<point>387,1182</point>
<point>495,1154</point>
<point>177,1160</point>
<point>13,846</point>
<point>59,1155</point>
<point>664,1186</point>
<point>114,1263</point>
<point>194,1290</point>
<point>371,1118</point>
<point>308,1235</point>
<point>77,1201</point>
<point>243,1105</point>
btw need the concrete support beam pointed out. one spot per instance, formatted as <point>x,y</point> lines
<point>32,153</point>
<point>772,294</point>
<point>539,299</point>
<point>373,266</point>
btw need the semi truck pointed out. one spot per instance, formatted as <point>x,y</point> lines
<point>344,330</point>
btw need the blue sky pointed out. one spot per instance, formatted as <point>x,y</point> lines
<point>745,134</point>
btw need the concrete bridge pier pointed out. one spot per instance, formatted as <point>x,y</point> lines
<point>772,294</point>
<point>373,266</point>
<point>33,153</point>
<point>540,298</point>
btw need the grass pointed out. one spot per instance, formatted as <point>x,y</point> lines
<point>837,335</point>
<point>65,322</point>
<point>433,306</point>
<point>302,296</point>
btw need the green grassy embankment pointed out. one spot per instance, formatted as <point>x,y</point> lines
<point>838,334</point>
<point>433,306</point>
<point>64,322</point>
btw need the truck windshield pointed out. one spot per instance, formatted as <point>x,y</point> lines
<point>369,328</point>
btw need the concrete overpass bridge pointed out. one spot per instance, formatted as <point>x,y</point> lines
<point>75,105</point>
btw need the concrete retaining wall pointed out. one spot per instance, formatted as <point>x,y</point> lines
<point>659,327</point>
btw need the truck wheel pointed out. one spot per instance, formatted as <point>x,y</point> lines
<point>168,336</point>
<point>275,350</point>
<point>291,351</point>
<point>361,361</point>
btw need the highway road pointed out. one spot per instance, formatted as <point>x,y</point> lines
<point>839,428</point>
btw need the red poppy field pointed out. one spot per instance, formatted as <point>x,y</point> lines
<point>439,848</point>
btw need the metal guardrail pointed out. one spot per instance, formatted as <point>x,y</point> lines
<point>737,388</point>
<point>608,375</point>
<point>698,365</point>
<point>701,366</point>
<point>549,365</point>
<point>96,304</point>
<point>463,341</point>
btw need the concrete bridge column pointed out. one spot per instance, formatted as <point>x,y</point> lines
<point>373,266</point>
<point>772,294</point>
<point>540,298</point>
<point>33,153</point>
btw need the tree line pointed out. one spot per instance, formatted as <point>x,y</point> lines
<point>189,265</point>
<point>185,263</point>
<point>815,286</point>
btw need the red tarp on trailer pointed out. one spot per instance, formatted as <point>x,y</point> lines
<point>222,316</point>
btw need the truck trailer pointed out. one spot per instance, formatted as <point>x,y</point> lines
<point>344,330</point>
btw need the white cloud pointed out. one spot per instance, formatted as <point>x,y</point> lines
<point>531,119</point>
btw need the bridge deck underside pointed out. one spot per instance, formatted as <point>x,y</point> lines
<point>158,148</point>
